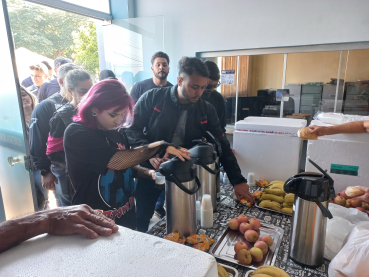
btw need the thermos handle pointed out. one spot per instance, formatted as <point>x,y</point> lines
<point>182,187</point>
<point>200,162</point>
<point>324,210</point>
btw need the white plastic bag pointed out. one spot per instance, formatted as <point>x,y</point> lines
<point>338,118</point>
<point>343,221</point>
<point>353,259</point>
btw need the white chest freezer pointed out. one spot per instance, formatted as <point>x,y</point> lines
<point>268,147</point>
<point>126,253</point>
<point>345,156</point>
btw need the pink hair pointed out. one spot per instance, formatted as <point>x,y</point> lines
<point>104,95</point>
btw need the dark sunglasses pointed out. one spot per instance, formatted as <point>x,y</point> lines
<point>213,86</point>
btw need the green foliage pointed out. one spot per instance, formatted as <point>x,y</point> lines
<point>53,33</point>
<point>85,50</point>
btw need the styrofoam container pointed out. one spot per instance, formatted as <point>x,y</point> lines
<point>269,147</point>
<point>344,150</point>
<point>126,253</point>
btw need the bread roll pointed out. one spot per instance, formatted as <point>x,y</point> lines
<point>306,134</point>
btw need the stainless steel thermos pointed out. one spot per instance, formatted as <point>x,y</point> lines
<point>309,219</point>
<point>181,185</point>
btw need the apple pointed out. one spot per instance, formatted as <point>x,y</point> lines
<point>261,245</point>
<point>267,239</point>
<point>244,227</point>
<point>356,203</point>
<point>365,205</point>
<point>242,218</point>
<point>348,203</point>
<point>256,254</point>
<point>251,236</point>
<point>240,245</point>
<point>339,200</point>
<point>255,223</point>
<point>361,209</point>
<point>244,256</point>
<point>343,194</point>
<point>233,224</point>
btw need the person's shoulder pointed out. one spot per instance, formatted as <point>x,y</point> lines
<point>203,103</point>
<point>217,95</point>
<point>77,128</point>
<point>169,84</point>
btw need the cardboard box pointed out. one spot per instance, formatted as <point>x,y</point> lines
<point>268,147</point>
<point>345,156</point>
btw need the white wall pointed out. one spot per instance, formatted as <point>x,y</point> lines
<point>192,26</point>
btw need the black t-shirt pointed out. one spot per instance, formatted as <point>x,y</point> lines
<point>88,152</point>
<point>216,99</point>
<point>141,87</point>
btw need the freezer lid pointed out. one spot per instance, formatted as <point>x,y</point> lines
<point>272,124</point>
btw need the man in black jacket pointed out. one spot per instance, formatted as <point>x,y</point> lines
<point>179,115</point>
<point>39,131</point>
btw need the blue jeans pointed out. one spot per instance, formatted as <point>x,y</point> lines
<point>62,188</point>
<point>160,202</point>
<point>42,194</point>
<point>146,196</point>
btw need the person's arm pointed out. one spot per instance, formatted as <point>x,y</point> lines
<point>355,127</point>
<point>365,196</point>
<point>142,114</point>
<point>228,159</point>
<point>61,222</point>
<point>143,172</point>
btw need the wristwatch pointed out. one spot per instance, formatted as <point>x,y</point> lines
<point>44,172</point>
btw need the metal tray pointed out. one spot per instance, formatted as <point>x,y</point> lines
<point>224,247</point>
<point>257,206</point>
<point>232,272</point>
<point>248,273</point>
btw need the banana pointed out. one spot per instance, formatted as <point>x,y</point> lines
<point>277,186</point>
<point>276,181</point>
<point>287,205</point>
<point>287,210</point>
<point>278,192</point>
<point>270,205</point>
<point>270,270</point>
<point>272,197</point>
<point>221,271</point>
<point>261,275</point>
<point>289,198</point>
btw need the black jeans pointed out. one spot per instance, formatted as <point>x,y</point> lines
<point>146,197</point>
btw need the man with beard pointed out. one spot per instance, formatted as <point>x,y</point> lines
<point>160,68</point>
<point>211,95</point>
<point>179,115</point>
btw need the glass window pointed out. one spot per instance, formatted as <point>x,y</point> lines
<point>98,5</point>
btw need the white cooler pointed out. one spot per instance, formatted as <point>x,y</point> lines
<point>345,156</point>
<point>268,147</point>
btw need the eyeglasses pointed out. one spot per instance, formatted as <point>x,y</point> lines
<point>213,86</point>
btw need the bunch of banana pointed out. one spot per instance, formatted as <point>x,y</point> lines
<point>269,271</point>
<point>221,271</point>
<point>277,184</point>
<point>273,205</point>
<point>278,192</point>
<point>289,198</point>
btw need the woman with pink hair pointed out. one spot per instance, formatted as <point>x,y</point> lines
<point>100,162</point>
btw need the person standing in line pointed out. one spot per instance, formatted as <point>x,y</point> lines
<point>106,74</point>
<point>160,68</point>
<point>211,95</point>
<point>29,102</point>
<point>52,87</point>
<point>78,83</point>
<point>39,76</point>
<point>101,163</point>
<point>179,115</point>
<point>39,129</point>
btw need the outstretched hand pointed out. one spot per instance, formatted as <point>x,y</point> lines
<point>80,219</point>
<point>242,190</point>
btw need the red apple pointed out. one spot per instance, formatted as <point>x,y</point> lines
<point>244,256</point>
<point>240,245</point>
<point>356,203</point>
<point>233,224</point>
<point>267,239</point>
<point>255,223</point>
<point>262,245</point>
<point>244,227</point>
<point>242,218</point>
<point>251,236</point>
